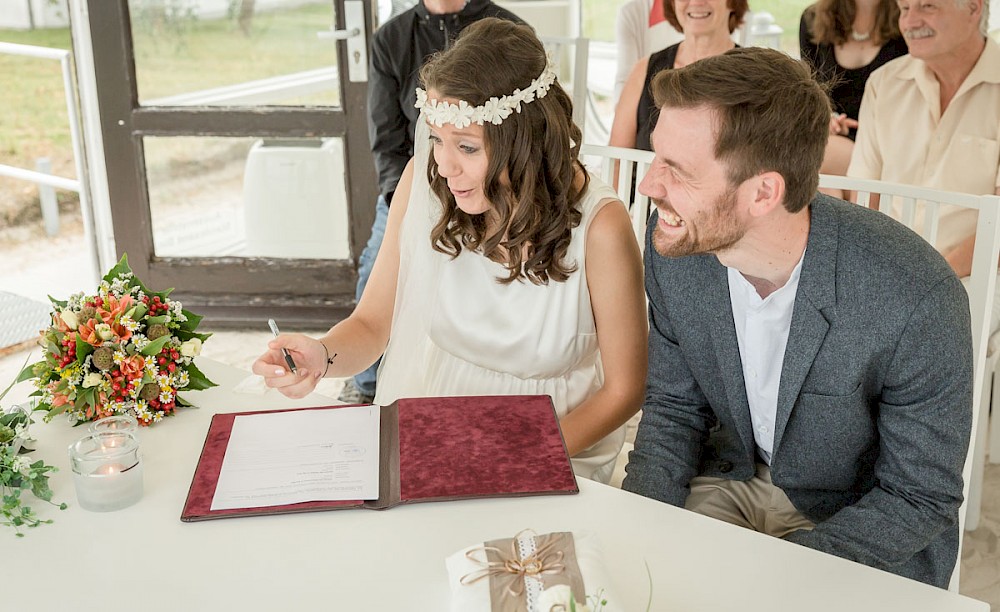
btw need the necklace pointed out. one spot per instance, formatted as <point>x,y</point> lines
<point>860,36</point>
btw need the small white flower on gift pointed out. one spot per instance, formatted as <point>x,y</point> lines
<point>191,348</point>
<point>92,380</point>
<point>559,598</point>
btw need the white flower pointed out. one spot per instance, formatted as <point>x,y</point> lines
<point>462,114</point>
<point>104,331</point>
<point>92,380</point>
<point>75,301</point>
<point>557,599</point>
<point>22,465</point>
<point>191,348</point>
<point>70,319</point>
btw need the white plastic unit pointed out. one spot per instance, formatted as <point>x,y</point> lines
<point>295,201</point>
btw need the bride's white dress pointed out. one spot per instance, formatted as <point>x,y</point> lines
<point>457,331</point>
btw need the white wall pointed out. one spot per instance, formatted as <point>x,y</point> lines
<point>17,15</point>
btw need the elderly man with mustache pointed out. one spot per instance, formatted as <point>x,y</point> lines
<point>932,118</point>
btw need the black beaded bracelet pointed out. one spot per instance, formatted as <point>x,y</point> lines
<point>329,359</point>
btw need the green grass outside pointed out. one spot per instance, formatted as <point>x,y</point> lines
<point>34,119</point>
<point>181,54</point>
<point>194,54</point>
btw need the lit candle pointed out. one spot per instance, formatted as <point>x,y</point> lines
<point>109,468</point>
<point>107,471</point>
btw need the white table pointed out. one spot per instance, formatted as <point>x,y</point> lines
<point>144,558</point>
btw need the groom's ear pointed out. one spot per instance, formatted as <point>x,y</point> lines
<point>767,193</point>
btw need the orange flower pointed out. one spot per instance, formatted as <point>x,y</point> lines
<point>113,308</point>
<point>133,366</point>
<point>88,333</point>
<point>109,314</point>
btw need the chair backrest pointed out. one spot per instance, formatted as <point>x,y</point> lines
<point>623,169</point>
<point>919,209</point>
<point>570,55</point>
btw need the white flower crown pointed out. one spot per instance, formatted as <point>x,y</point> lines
<point>494,111</point>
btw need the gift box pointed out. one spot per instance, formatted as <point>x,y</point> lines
<point>531,573</point>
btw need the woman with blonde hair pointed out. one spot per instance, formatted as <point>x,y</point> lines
<point>506,269</point>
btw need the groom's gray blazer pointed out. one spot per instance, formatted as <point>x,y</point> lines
<point>874,403</point>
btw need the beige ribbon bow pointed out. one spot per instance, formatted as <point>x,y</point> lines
<point>553,562</point>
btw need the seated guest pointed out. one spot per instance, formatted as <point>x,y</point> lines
<point>790,388</point>
<point>707,26</point>
<point>506,269</point>
<point>845,41</point>
<point>932,118</point>
<point>640,30</point>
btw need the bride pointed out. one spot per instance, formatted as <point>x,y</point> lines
<point>506,268</point>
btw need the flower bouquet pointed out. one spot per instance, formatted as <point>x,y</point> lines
<point>18,473</point>
<point>125,350</point>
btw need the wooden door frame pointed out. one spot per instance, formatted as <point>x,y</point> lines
<point>229,291</point>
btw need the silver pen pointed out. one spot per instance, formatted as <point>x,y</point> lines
<point>284,351</point>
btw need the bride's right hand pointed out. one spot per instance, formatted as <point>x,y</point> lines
<point>310,360</point>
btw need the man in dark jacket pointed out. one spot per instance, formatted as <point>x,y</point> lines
<point>399,49</point>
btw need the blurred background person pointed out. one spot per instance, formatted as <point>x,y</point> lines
<point>845,41</point>
<point>707,26</point>
<point>641,30</point>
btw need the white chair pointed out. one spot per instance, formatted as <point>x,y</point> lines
<point>570,56</point>
<point>981,287</point>
<point>615,166</point>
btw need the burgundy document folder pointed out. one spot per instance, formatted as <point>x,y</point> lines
<point>432,449</point>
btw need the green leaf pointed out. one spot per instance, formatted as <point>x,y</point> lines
<point>157,320</point>
<point>28,372</point>
<point>53,411</point>
<point>82,349</point>
<point>119,268</point>
<point>197,381</point>
<point>192,319</point>
<point>16,380</point>
<point>60,304</point>
<point>80,401</point>
<point>155,346</point>
<point>138,311</point>
<point>184,335</point>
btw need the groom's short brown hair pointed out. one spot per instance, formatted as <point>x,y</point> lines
<point>771,115</point>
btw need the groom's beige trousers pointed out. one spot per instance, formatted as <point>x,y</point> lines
<point>755,504</point>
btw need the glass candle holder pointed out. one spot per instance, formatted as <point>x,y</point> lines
<point>117,422</point>
<point>107,470</point>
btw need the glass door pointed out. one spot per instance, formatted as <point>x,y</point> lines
<point>237,150</point>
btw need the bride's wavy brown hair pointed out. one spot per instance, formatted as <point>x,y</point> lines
<point>537,149</point>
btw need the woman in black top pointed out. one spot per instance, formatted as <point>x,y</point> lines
<point>845,41</point>
<point>707,26</point>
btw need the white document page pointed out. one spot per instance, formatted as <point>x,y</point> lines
<point>299,456</point>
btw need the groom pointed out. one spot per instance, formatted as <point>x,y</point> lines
<point>810,361</point>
